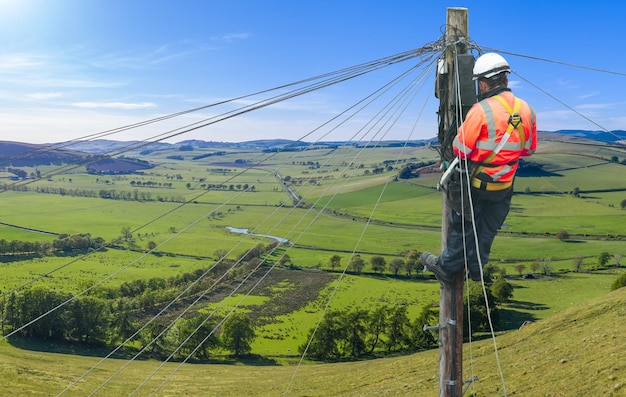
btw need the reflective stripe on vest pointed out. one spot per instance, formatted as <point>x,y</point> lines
<point>490,143</point>
<point>514,123</point>
<point>513,112</point>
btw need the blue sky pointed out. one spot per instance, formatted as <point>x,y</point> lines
<point>70,68</point>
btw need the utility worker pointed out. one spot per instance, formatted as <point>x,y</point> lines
<point>496,132</point>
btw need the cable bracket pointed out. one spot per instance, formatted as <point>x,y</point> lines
<point>432,327</point>
<point>468,383</point>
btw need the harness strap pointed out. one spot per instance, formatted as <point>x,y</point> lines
<point>489,165</point>
<point>515,123</point>
<point>515,120</point>
<point>490,186</point>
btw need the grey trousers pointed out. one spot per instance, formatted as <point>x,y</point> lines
<point>490,210</point>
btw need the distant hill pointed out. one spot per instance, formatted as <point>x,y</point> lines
<point>105,146</point>
<point>16,154</point>
<point>602,136</point>
<point>114,166</point>
<point>19,154</point>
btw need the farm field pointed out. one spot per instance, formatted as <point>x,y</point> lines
<point>173,221</point>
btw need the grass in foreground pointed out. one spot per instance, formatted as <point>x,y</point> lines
<point>574,353</point>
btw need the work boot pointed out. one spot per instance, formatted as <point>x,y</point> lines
<point>475,275</point>
<point>431,263</point>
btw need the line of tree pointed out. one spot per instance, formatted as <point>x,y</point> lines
<point>360,333</point>
<point>410,263</point>
<point>63,243</point>
<point>112,194</point>
<point>134,195</point>
<point>387,329</point>
<point>107,315</point>
<point>152,184</point>
<point>94,321</point>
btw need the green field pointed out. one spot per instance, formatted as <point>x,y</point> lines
<point>559,355</point>
<point>348,207</point>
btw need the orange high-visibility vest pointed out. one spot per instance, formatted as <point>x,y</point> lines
<point>485,125</point>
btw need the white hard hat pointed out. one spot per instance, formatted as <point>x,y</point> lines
<point>490,64</point>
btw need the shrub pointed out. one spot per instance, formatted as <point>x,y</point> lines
<point>619,283</point>
<point>562,235</point>
<point>502,290</point>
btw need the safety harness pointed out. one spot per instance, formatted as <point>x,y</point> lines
<point>515,123</point>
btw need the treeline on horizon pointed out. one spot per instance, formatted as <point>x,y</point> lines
<point>63,243</point>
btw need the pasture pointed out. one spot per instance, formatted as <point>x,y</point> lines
<point>351,203</point>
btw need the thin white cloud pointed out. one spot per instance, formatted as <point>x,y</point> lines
<point>44,95</point>
<point>141,58</point>
<point>16,63</point>
<point>114,105</point>
<point>31,81</point>
<point>38,70</point>
<point>595,106</point>
<point>592,94</point>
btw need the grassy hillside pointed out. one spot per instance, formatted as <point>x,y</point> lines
<point>577,352</point>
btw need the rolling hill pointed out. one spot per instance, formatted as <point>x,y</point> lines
<point>564,352</point>
<point>577,352</point>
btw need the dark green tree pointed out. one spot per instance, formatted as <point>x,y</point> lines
<point>357,264</point>
<point>502,290</point>
<point>91,319</point>
<point>421,338</point>
<point>478,309</point>
<point>412,262</point>
<point>12,313</point>
<point>324,344</point>
<point>51,310</point>
<point>122,325</point>
<point>197,337</point>
<point>619,283</point>
<point>397,329</point>
<point>395,265</point>
<point>378,264</point>
<point>355,332</point>
<point>334,261</point>
<point>603,258</point>
<point>376,326</point>
<point>154,338</point>
<point>237,334</point>
<point>489,272</point>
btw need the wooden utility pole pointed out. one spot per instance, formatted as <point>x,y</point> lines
<point>451,296</point>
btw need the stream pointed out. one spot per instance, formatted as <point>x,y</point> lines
<point>245,231</point>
